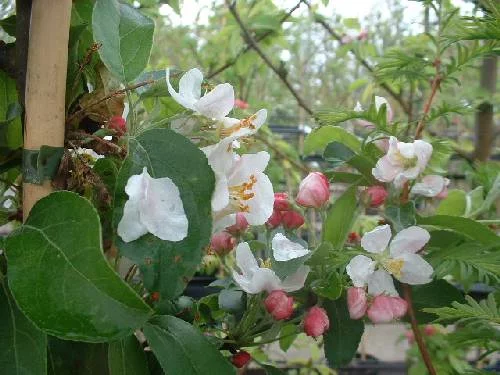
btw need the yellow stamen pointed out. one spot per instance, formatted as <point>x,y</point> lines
<point>242,192</point>
<point>265,263</point>
<point>394,266</point>
<point>243,124</point>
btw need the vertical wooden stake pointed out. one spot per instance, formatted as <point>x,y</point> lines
<point>45,84</point>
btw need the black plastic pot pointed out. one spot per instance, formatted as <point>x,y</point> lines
<point>199,287</point>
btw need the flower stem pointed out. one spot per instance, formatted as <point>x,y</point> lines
<point>416,331</point>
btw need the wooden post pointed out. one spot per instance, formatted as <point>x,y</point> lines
<point>45,85</point>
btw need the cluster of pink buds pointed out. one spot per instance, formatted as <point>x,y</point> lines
<point>382,309</point>
<point>223,242</point>
<point>284,214</point>
<point>279,305</point>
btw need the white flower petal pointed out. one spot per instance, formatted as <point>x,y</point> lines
<point>380,282</point>
<point>162,211</point>
<point>257,120</point>
<point>136,185</point>
<point>430,186</point>
<point>245,260</point>
<point>217,103</point>
<point>409,240</point>
<point>220,197</point>
<point>264,279</point>
<point>296,280</point>
<point>247,165</point>
<point>407,150</point>
<point>385,170</point>
<point>260,207</point>
<point>190,80</point>
<point>360,269</point>
<point>284,249</point>
<point>130,227</point>
<point>415,269</point>
<point>423,152</point>
<point>376,240</point>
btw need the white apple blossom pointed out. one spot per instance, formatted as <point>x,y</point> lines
<point>254,279</point>
<point>431,186</point>
<point>154,206</point>
<point>232,127</point>
<point>403,161</point>
<point>398,259</point>
<point>284,249</point>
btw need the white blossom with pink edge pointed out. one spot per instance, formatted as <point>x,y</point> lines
<point>403,161</point>
<point>254,279</point>
<point>398,259</point>
<point>432,186</point>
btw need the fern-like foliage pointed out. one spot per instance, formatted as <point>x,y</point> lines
<point>478,334</point>
<point>402,66</point>
<point>444,110</point>
<point>468,263</point>
<point>486,310</point>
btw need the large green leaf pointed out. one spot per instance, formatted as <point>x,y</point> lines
<point>126,357</point>
<point>22,345</point>
<point>467,227</point>
<point>340,219</point>
<point>60,278</point>
<point>343,337</point>
<point>454,204</point>
<point>182,349</point>
<point>126,36</point>
<point>320,138</point>
<point>165,265</point>
<point>10,129</point>
<point>338,153</point>
<point>401,216</point>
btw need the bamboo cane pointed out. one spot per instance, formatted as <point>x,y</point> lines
<point>45,85</point>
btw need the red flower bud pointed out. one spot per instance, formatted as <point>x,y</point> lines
<point>430,330</point>
<point>118,124</point>
<point>155,296</point>
<point>377,195</point>
<point>316,322</point>
<point>222,243</point>
<point>314,191</point>
<point>292,219</point>
<point>281,202</point>
<point>274,220</point>
<point>385,309</point>
<point>240,104</point>
<point>279,305</point>
<point>356,302</point>
<point>354,237</point>
<point>241,358</point>
<point>240,226</point>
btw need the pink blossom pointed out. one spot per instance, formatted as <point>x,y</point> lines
<point>238,103</point>
<point>430,330</point>
<point>222,243</point>
<point>240,226</point>
<point>118,124</point>
<point>377,195</point>
<point>279,305</point>
<point>356,302</point>
<point>291,219</point>
<point>385,309</point>
<point>314,191</point>
<point>316,322</point>
<point>281,202</point>
<point>274,220</point>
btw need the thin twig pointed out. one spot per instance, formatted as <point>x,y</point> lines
<point>253,44</point>
<point>242,51</point>
<point>100,140</point>
<point>362,61</point>
<point>416,331</point>
<point>436,82</point>
<point>282,155</point>
<point>107,97</point>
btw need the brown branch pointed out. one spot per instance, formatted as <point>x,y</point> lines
<point>98,139</point>
<point>242,51</point>
<point>253,44</point>
<point>361,60</point>
<point>107,97</point>
<point>282,155</point>
<point>436,82</point>
<point>416,331</point>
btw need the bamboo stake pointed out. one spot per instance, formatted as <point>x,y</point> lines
<point>45,85</point>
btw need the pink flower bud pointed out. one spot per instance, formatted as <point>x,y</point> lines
<point>118,124</point>
<point>314,190</point>
<point>377,195</point>
<point>292,219</point>
<point>410,337</point>
<point>222,243</point>
<point>363,35</point>
<point>430,330</point>
<point>384,309</point>
<point>356,302</point>
<point>443,194</point>
<point>241,358</point>
<point>281,202</point>
<point>240,226</point>
<point>238,103</point>
<point>353,238</point>
<point>316,322</point>
<point>279,305</point>
<point>274,220</point>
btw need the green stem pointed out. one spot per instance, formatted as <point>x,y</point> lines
<point>494,221</point>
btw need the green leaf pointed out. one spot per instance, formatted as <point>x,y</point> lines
<point>126,36</point>
<point>454,204</point>
<point>167,266</point>
<point>317,141</point>
<point>401,216</point>
<point>343,337</point>
<point>347,178</point>
<point>182,349</point>
<point>438,293</point>
<point>461,225</point>
<point>60,278</point>
<point>9,25</point>
<point>338,153</point>
<point>156,89</point>
<point>107,171</point>
<point>232,300</point>
<point>11,131</point>
<point>22,345</point>
<point>126,357</point>
<point>340,219</point>
<point>330,287</point>
<point>271,370</point>
<point>289,267</point>
<point>288,335</point>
